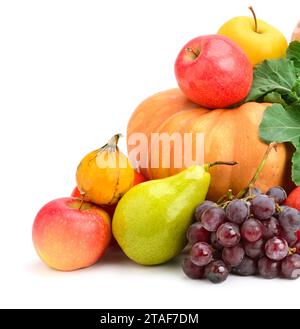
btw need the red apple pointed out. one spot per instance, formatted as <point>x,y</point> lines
<point>75,193</point>
<point>293,200</point>
<point>213,71</point>
<point>68,235</point>
<point>138,178</point>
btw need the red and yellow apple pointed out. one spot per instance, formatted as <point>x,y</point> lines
<point>213,72</point>
<point>69,235</point>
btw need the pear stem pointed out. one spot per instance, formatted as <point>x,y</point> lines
<point>271,146</point>
<point>219,163</point>
<point>254,17</point>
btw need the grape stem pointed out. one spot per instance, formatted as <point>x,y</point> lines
<point>278,208</point>
<point>271,146</point>
<point>226,198</point>
<point>230,195</point>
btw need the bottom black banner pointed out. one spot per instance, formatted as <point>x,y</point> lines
<point>126,318</point>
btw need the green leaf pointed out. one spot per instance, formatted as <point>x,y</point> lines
<point>280,124</point>
<point>296,166</point>
<point>293,54</point>
<point>274,97</point>
<point>296,87</point>
<point>272,76</point>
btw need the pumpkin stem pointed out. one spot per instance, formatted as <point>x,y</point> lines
<point>254,17</point>
<point>218,163</point>
<point>242,193</point>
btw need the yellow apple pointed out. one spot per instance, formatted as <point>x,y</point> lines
<point>257,38</point>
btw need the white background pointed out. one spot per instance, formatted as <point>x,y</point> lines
<point>71,73</point>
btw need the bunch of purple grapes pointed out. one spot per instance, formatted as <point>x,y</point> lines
<point>253,235</point>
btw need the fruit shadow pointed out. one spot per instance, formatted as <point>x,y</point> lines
<point>115,256</point>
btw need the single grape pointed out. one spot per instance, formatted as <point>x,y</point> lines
<point>267,268</point>
<point>290,267</point>
<point>201,254</point>
<point>252,230</point>
<point>271,228</point>
<point>262,207</point>
<point>289,219</point>
<point>202,207</point>
<point>276,248</point>
<point>197,233</point>
<point>238,211</point>
<point>246,267</point>
<point>212,218</point>
<point>253,191</point>
<point>191,270</point>
<point>278,194</point>
<point>233,256</point>
<point>216,271</point>
<point>214,242</point>
<point>289,236</point>
<point>228,234</point>
<point>255,249</point>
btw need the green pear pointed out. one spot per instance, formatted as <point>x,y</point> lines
<point>151,219</point>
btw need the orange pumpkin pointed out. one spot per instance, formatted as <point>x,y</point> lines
<point>229,134</point>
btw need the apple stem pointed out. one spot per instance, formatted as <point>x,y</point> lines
<point>242,193</point>
<point>254,16</point>
<point>191,50</point>
<point>81,202</point>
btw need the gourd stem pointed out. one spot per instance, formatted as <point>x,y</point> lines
<point>258,171</point>
<point>113,142</point>
<point>255,19</point>
<point>111,145</point>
